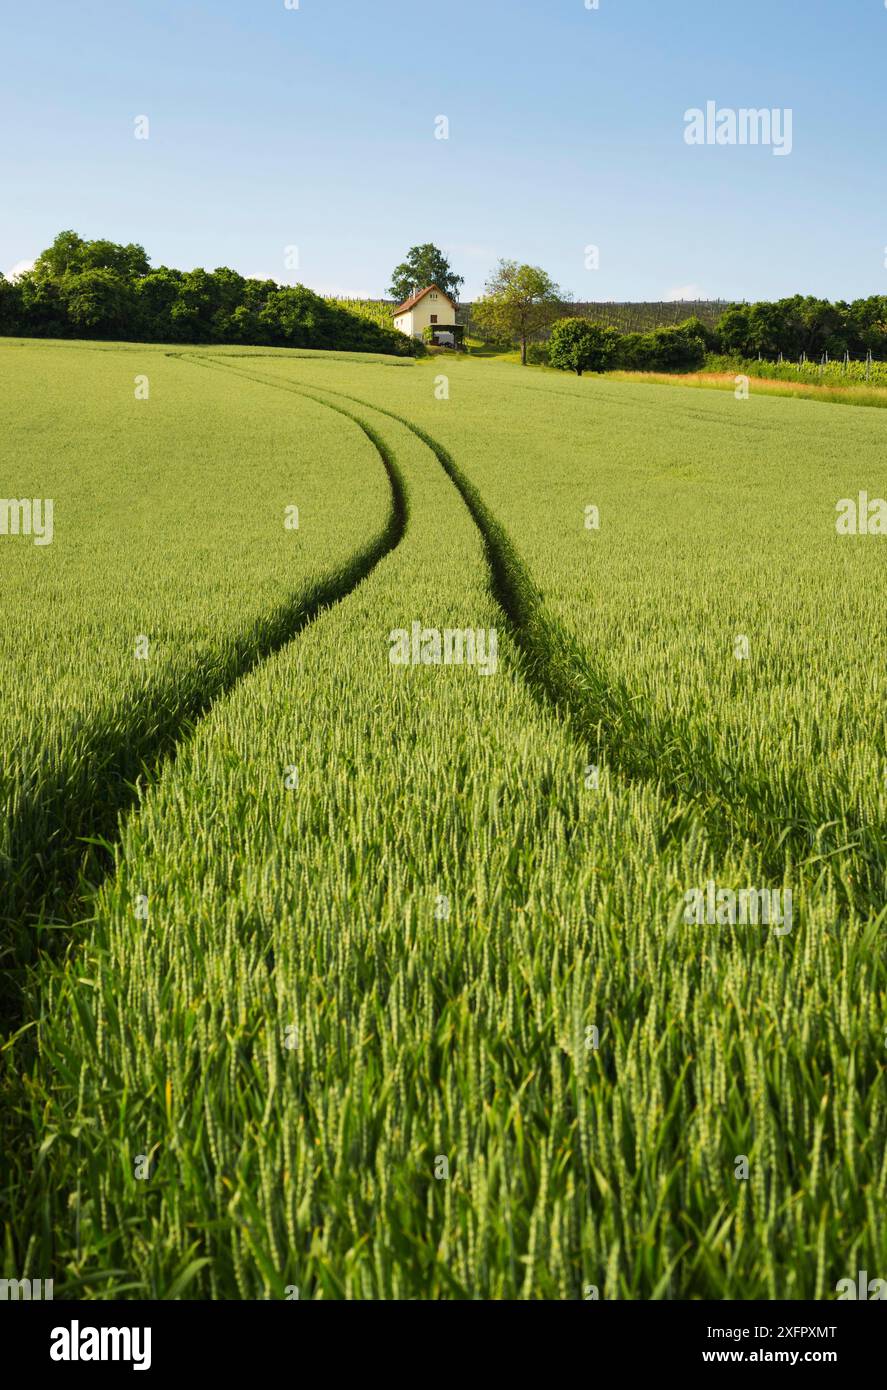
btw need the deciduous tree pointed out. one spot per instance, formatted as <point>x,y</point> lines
<point>578,345</point>
<point>521,301</point>
<point>424,265</point>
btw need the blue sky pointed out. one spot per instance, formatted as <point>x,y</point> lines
<point>315,128</point>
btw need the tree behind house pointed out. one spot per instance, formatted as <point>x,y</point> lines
<point>425,265</point>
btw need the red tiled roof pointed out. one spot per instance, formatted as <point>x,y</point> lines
<point>413,300</point>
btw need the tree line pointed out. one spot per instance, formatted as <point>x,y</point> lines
<point>796,329</point>
<point>522,303</point>
<point>804,326</point>
<point>100,289</point>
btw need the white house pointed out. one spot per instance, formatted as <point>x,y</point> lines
<point>428,308</point>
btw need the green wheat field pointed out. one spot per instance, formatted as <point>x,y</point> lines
<point>327,976</point>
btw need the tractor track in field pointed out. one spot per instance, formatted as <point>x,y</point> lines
<point>735,806</point>
<point>44,882</point>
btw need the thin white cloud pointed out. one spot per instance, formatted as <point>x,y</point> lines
<point>19,269</point>
<point>684,292</point>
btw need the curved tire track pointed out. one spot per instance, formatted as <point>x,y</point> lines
<point>736,806</point>
<point>50,872</point>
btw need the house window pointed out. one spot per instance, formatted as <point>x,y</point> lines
<point>434,318</point>
<point>433,296</point>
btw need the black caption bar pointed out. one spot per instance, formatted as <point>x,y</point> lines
<point>88,1339</point>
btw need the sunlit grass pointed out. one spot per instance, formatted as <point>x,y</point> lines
<point>296,1035</point>
<point>854,394</point>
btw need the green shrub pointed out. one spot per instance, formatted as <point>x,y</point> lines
<point>537,354</point>
<point>578,345</point>
<point>679,349</point>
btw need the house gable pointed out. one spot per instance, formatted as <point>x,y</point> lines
<point>428,308</point>
<point>414,299</point>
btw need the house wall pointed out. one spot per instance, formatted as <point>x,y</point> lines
<point>419,318</point>
<point>439,305</point>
